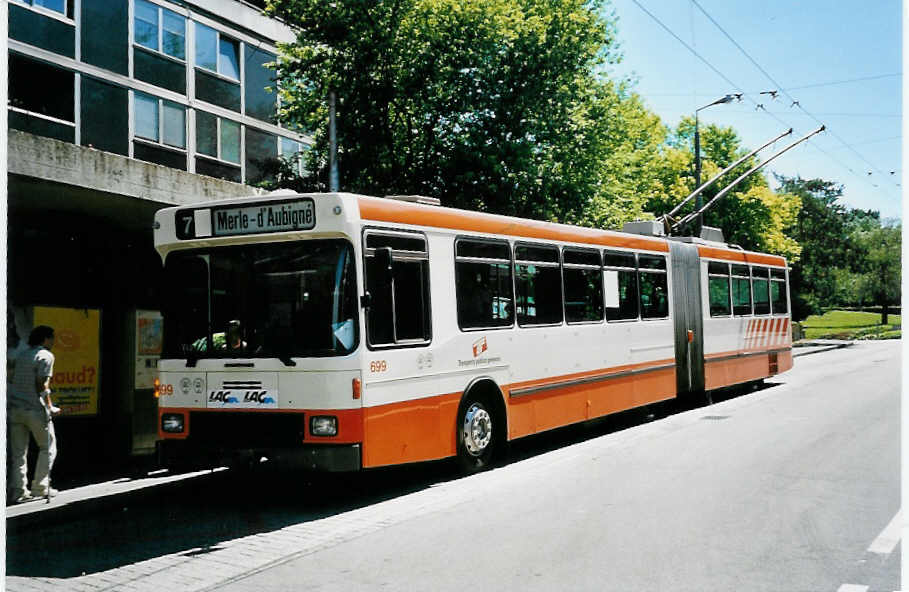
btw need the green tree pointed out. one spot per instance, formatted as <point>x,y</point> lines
<point>821,229</point>
<point>498,105</point>
<point>881,265</point>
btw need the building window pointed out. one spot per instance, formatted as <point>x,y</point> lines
<point>217,52</point>
<point>218,137</point>
<point>41,88</point>
<point>397,280</point>
<point>654,290</point>
<point>538,285</point>
<point>291,152</point>
<point>718,289</point>
<point>483,286</point>
<point>54,5</point>
<point>41,99</point>
<point>582,277</point>
<point>159,121</point>
<point>160,29</point>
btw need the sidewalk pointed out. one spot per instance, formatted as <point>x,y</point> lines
<point>78,501</point>
<point>804,347</point>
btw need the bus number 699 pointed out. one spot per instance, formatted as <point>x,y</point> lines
<point>378,366</point>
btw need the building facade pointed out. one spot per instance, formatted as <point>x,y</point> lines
<point>116,109</point>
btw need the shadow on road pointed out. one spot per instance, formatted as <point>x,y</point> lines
<point>196,515</point>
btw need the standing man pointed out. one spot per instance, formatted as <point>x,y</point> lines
<point>30,411</point>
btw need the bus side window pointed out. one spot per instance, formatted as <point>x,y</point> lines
<point>582,283</point>
<point>718,289</point>
<point>397,279</point>
<point>778,291</point>
<point>538,285</point>
<point>760,285</point>
<point>741,291</point>
<point>654,288</point>
<point>621,281</point>
<point>483,287</point>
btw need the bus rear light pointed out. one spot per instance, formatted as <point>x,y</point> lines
<point>157,387</point>
<point>355,388</point>
<point>172,423</point>
<point>323,425</point>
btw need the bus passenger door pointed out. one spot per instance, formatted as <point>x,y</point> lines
<point>688,324</point>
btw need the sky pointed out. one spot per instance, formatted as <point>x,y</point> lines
<point>842,62</point>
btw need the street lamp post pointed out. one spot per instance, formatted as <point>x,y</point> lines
<point>697,155</point>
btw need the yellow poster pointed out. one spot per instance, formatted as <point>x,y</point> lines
<point>77,349</point>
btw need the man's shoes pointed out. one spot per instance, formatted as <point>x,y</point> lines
<point>25,497</point>
<point>50,492</point>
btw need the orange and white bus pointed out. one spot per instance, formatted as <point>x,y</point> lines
<point>354,332</point>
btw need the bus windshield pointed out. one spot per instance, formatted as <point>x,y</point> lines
<point>271,300</point>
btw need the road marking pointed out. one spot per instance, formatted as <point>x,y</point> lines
<point>852,588</point>
<point>889,537</point>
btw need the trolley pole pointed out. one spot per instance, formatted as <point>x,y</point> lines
<point>332,144</point>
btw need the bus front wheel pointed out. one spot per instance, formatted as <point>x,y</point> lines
<point>476,435</point>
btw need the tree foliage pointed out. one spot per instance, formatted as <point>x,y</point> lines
<point>496,105</point>
<point>848,256</point>
<point>751,215</point>
<point>880,266</point>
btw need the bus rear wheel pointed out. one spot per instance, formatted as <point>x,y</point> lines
<point>476,436</point>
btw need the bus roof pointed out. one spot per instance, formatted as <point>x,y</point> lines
<point>377,209</point>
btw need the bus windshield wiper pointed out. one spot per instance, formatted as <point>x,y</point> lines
<point>192,357</point>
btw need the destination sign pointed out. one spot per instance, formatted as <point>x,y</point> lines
<point>269,217</point>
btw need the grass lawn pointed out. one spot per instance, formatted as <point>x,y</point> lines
<point>845,324</point>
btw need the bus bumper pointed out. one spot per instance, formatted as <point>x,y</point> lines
<point>331,458</point>
<point>328,458</point>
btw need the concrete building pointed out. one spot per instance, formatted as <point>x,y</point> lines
<point>116,109</point>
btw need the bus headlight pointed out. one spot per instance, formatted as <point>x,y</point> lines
<point>323,425</point>
<point>172,423</point>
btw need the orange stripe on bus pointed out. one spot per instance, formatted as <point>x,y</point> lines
<point>410,431</point>
<point>350,422</point>
<point>386,210</point>
<point>744,256</point>
<point>424,429</point>
<point>571,404</point>
<point>729,371</point>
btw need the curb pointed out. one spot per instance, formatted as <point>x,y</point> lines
<point>43,514</point>
<point>816,349</point>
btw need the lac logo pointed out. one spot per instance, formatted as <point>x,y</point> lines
<point>222,397</point>
<point>246,399</point>
<point>260,397</point>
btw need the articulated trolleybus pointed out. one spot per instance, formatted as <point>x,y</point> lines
<point>350,332</point>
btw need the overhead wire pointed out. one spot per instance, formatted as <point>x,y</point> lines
<point>738,88</point>
<point>779,88</point>
<point>813,85</point>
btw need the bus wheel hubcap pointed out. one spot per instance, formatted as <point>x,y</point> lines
<point>477,429</point>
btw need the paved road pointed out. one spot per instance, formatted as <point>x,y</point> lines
<point>794,487</point>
